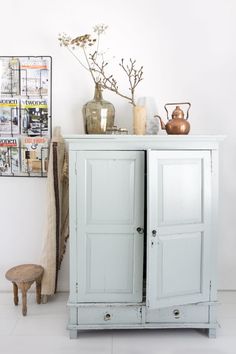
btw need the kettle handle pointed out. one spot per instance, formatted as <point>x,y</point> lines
<point>177,104</point>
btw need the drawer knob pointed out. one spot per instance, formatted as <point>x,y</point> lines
<point>176,313</point>
<point>107,317</point>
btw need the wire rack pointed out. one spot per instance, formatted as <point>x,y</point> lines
<point>25,115</point>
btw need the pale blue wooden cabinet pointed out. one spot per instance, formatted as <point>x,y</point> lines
<point>143,229</point>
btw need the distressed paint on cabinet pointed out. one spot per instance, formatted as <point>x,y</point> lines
<point>179,227</point>
<point>178,207</point>
<point>110,208</point>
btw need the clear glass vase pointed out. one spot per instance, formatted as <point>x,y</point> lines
<point>98,114</point>
<point>152,123</point>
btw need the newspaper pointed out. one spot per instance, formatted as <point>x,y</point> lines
<point>9,116</point>
<point>34,76</point>
<point>34,117</point>
<point>9,76</point>
<point>34,155</point>
<point>9,156</point>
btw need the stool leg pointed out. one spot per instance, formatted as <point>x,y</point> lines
<point>15,291</point>
<point>38,290</point>
<point>24,300</point>
<point>24,288</point>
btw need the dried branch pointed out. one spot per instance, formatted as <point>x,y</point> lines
<point>110,83</point>
<point>134,75</point>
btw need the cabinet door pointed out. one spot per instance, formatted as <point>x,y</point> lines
<point>179,227</point>
<point>109,202</point>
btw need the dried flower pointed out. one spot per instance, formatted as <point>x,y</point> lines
<point>82,41</point>
<point>100,28</point>
<point>79,47</point>
<point>97,66</point>
<point>64,40</point>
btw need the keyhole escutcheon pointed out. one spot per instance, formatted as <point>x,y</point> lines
<point>140,230</point>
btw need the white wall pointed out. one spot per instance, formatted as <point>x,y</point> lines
<point>188,51</point>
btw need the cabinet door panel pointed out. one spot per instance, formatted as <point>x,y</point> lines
<point>179,204</point>
<point>106,270</point>
<point>180,259</point>
<point>110,181</point>
<point>110,189</point>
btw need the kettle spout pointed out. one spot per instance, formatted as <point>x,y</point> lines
<point>163,126</point>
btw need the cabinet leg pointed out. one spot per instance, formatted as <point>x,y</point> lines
<point>212,332</point>
<point>73,333</point>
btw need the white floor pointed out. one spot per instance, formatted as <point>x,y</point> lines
<point>43,330</point>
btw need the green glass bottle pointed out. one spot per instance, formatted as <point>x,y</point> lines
<point>98,114</point>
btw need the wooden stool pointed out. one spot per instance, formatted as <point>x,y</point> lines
<point>22,277</point>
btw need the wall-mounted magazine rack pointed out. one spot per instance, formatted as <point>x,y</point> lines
<point>25,115</point>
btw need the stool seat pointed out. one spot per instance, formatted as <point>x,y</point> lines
<point>24,273</point>
<point>23,276</point>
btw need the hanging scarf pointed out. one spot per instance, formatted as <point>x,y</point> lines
<point>56,230</point>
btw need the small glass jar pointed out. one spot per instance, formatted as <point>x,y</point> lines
<point>112,130</point>
<point>123,131</point>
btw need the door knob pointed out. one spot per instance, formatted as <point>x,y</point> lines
<point>140,230</point>
<point>107,316</point>
<point>154,233</point>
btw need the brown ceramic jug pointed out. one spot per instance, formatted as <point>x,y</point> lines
<point>178,124</point>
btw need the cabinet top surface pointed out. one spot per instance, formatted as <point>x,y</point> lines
<point>157,137</point>
<point>143,142</point>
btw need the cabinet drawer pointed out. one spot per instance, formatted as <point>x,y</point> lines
<point>109,315</point>
<point>185,313</point>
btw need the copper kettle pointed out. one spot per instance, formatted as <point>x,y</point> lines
<point>178,124</point>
